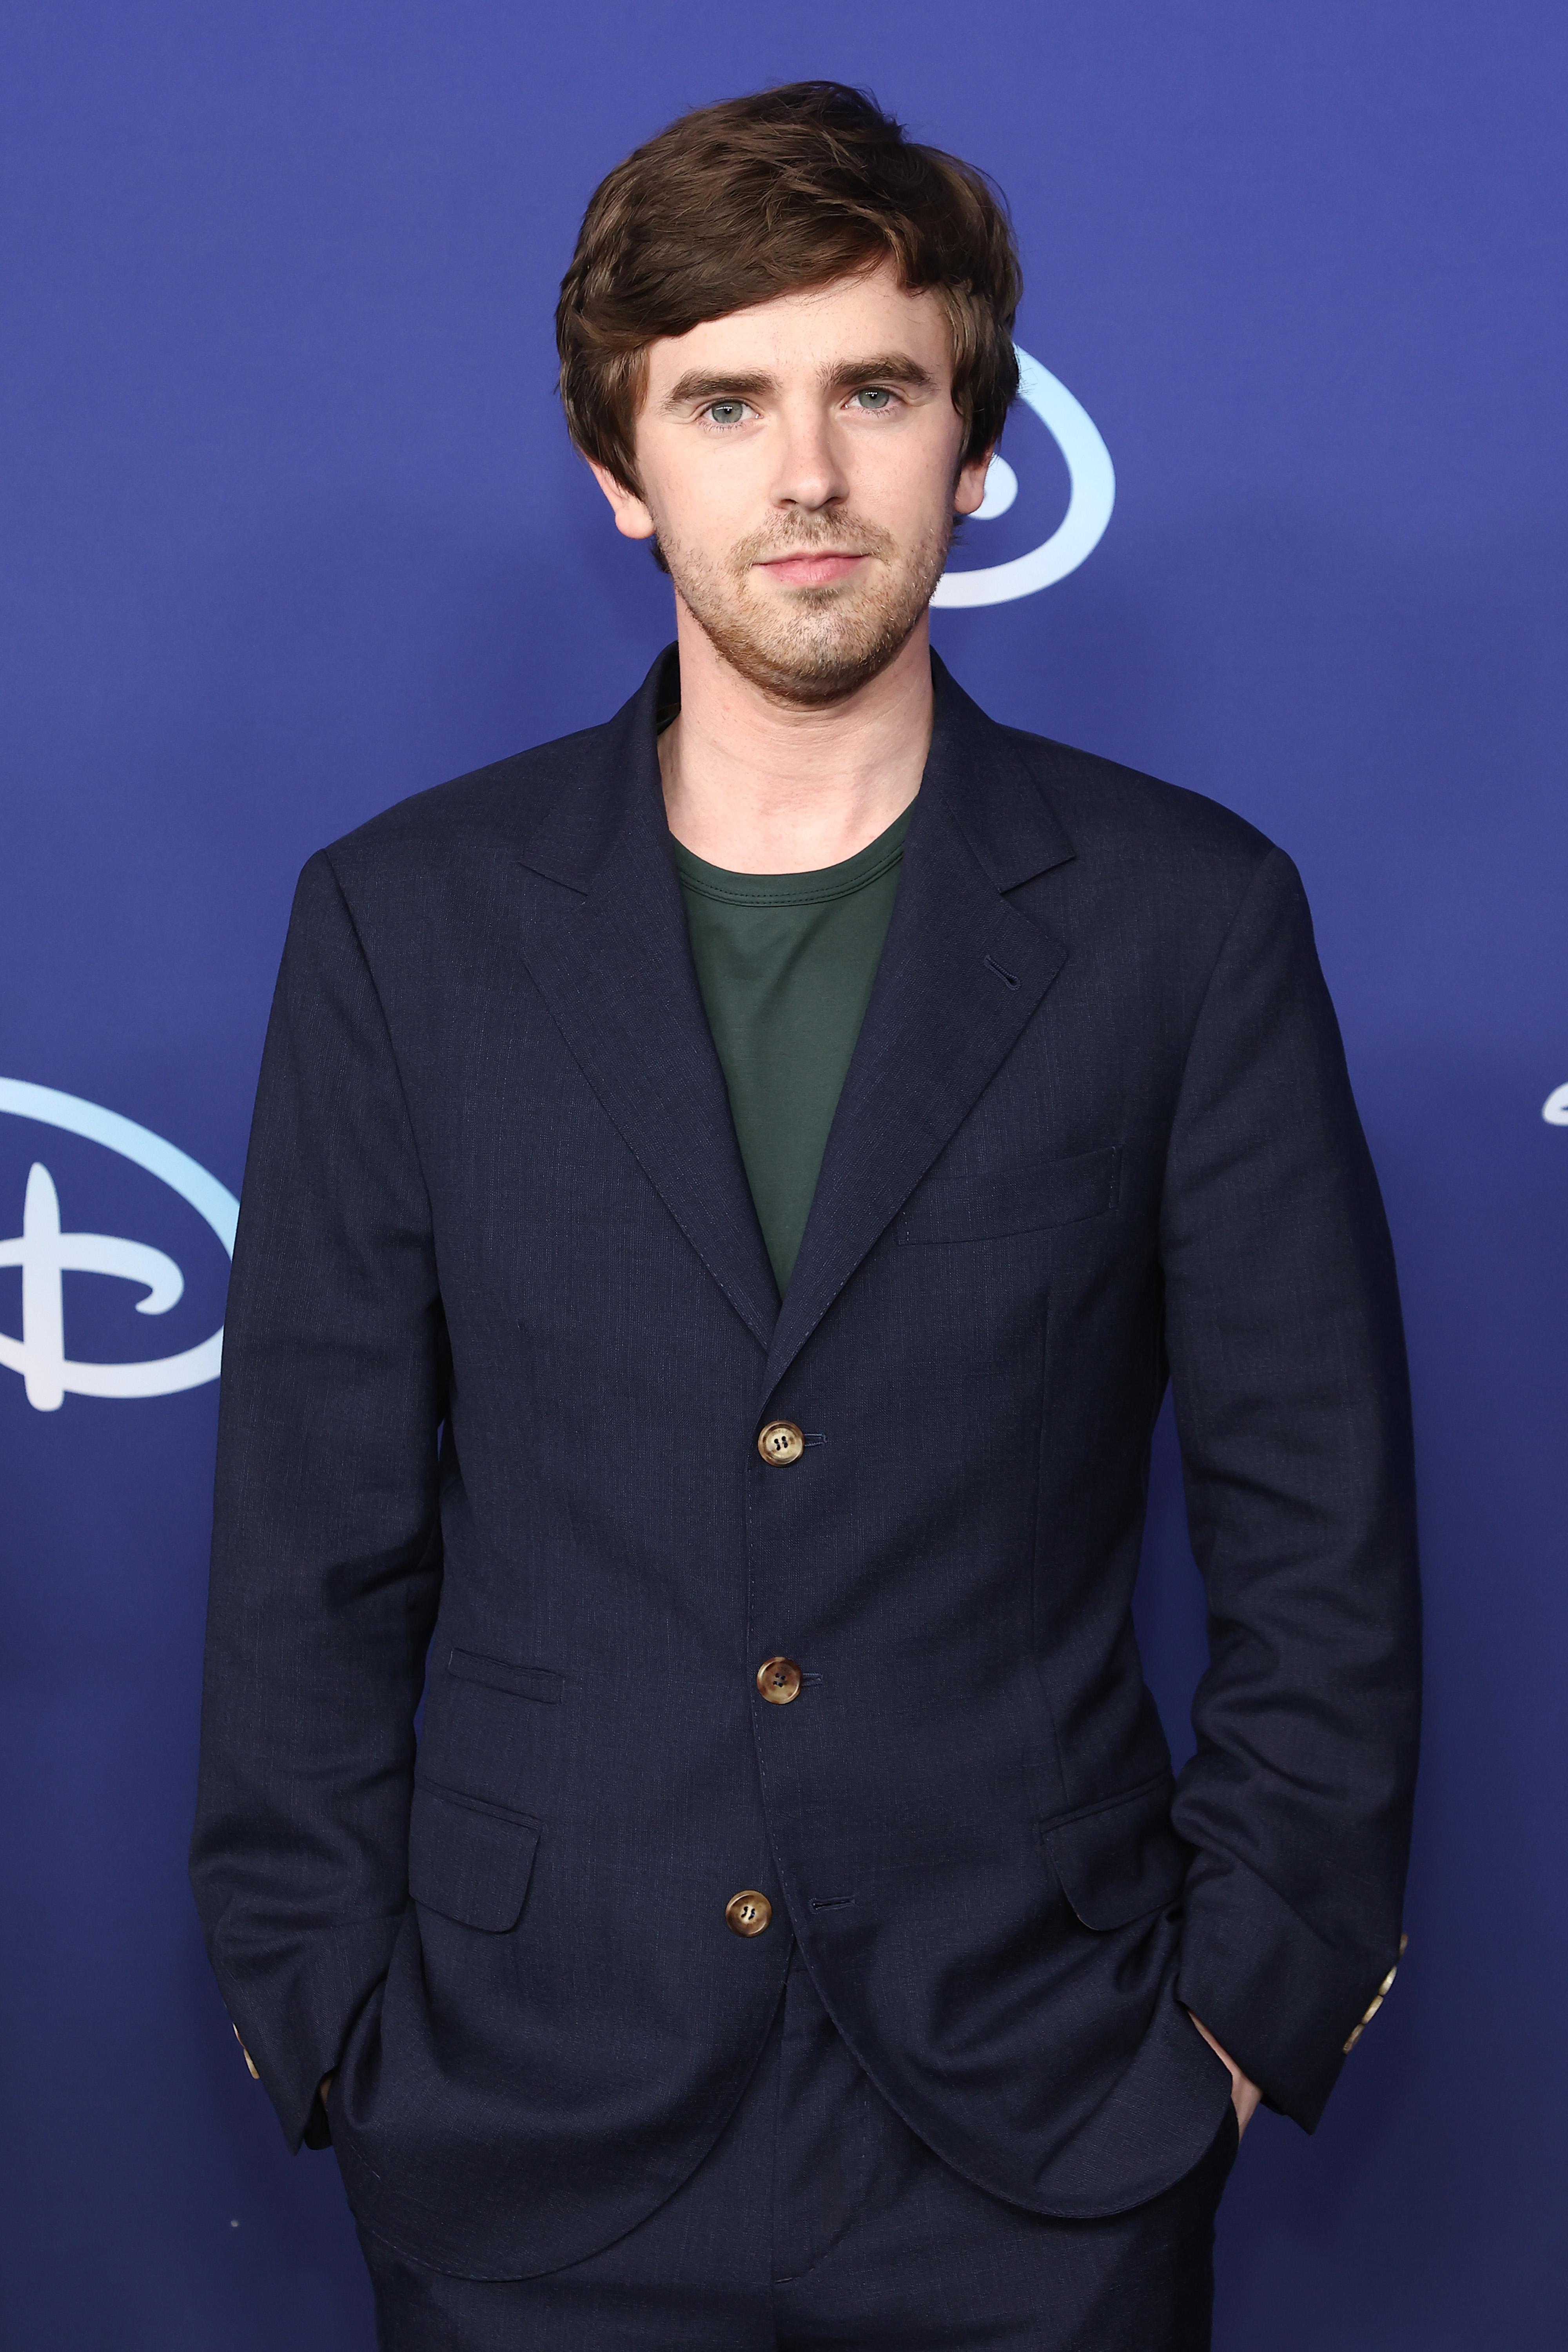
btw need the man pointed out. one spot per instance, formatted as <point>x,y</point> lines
<point>726,1193</point>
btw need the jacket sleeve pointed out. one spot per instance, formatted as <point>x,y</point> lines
<point>1288,1367</point>
<point>326,1552</point>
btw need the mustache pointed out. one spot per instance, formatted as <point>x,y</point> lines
<point>809,535</point>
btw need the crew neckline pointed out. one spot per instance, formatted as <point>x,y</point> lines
<point>806,889</point>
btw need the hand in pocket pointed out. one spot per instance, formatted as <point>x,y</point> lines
<point>1245,2094</point>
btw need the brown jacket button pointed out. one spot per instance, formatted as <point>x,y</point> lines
<point>748,1913</point>
<point>781,1441</point>
<point>778,1679</point>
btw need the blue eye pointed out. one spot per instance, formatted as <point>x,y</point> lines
<point>874,397</point>
<point>725,412</point>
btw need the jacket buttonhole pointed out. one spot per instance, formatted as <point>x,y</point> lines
<point>831,1902</point>
<point>1009,978</point>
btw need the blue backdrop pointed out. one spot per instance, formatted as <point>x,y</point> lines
<point>292,530</point>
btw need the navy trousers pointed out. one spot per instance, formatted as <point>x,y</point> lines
<point>820,2221</point>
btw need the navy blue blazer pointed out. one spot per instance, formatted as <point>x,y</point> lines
<point>501,1336</point>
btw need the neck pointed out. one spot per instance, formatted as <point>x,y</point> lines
<point>762,787</point>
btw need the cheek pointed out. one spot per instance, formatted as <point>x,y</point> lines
<point>707,510</point>
<point>905,482</point>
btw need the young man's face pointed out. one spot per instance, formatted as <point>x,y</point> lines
<point>800,469</point>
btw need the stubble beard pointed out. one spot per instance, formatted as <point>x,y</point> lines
<point>814,645</point>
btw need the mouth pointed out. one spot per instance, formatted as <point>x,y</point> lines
<point>819,568</point>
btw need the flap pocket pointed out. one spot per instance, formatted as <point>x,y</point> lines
<point>1122,1861</point>
<point>1021,1200</point>
<point>469,1860</point>
<point>522,1682</point>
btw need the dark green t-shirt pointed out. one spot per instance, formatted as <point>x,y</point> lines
<point>786,963</point>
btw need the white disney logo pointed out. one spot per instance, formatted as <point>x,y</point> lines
<point>44,1252</point>
<point>1080,530</point>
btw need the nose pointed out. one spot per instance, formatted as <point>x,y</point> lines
<point>809,473</point>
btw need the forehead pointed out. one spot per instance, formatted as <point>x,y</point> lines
<point>807,333</point>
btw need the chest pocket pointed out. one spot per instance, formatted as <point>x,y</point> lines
<point>1021,1200</point>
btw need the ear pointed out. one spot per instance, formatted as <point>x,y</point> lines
<point>970,488</point>
<point>633,519</point>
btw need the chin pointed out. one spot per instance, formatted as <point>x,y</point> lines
<point>815,668</point>
<point>822,648</point>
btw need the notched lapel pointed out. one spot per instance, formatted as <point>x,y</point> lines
<point>961,977</point>
<point>605,943</point>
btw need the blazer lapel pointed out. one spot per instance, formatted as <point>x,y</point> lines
<point>606,946</point>
<point>961,976</point>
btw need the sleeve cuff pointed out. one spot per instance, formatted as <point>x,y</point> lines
<point>293,2029</point>
<point>1286,2005</point>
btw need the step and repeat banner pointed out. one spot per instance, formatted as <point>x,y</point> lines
<point>291,530</point>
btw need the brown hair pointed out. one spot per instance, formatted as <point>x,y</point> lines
<point>759,196</point>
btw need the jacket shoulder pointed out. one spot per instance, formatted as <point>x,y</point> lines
<point>1119,812</point>
<point>501,805</point>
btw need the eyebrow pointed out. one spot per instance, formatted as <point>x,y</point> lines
<point>883,367</point>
